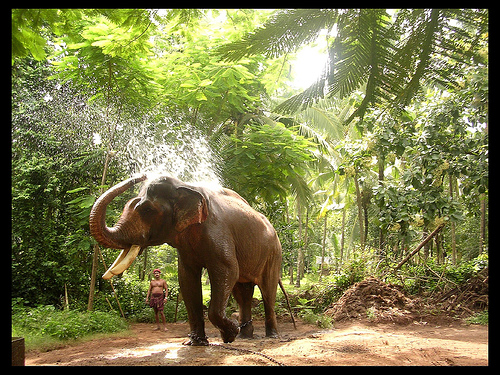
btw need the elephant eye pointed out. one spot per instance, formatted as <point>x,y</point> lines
<point>145,207</point>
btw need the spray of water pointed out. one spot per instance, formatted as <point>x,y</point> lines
<point>169,148</point>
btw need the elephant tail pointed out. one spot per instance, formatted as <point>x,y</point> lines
<point>287,302</point>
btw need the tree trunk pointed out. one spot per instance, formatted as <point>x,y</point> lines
<point>323,249</point>
<point>381,239</point>
<point>360,212</point>
<point>365,214</point>
<point>427,246</point>
<point>300,253</point>
<point>453,237</point>
<point>142,273</point>
<point>112,131</point>
<point>304,249</point>
<point>342,238</point>
<point>482,234</point>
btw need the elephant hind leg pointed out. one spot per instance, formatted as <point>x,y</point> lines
<point>243,293</point>
<point>268,290</point>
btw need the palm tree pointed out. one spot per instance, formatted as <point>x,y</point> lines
<point>392,53</point>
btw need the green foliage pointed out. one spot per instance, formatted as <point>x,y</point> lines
<point>433,277</point>
<point>47,322</point>
<point>50,164</point>
<point>392,55</point>
<point>318,296</point>
<point>267,161</point>
<point>88,81</point>
<point>321,320</point>
<point>479,318</point>
<point>30,28</point>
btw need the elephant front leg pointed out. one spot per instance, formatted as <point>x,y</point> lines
<point>190,283</point>
<point>222,282</point>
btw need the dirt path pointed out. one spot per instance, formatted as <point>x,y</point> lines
<point>353,343</point>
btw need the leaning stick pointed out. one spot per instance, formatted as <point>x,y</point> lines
<point>420,245</point>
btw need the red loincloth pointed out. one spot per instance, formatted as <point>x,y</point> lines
<point>156,301</point>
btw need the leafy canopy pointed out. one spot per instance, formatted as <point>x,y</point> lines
<point>393,54</point>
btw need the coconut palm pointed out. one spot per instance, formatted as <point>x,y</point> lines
<point>392,53</point>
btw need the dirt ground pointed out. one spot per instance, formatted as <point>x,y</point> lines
<point>356,342</point>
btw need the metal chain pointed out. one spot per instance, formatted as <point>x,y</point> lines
<point>249,351</point>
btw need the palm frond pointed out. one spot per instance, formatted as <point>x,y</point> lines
<point>360,53</point>
<point>392,56</point>
<point>284,32</point>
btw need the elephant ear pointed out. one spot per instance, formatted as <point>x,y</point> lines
<point>189,209</point>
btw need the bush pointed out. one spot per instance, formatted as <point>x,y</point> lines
<point>46,321</point>
<point>479,318</point>
<point>432,277</point>
<point>132,295</point>
<point>309,304</point>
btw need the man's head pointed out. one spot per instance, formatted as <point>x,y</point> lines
<point>157,273</point>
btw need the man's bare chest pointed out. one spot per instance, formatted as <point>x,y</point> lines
<point>157,283</point>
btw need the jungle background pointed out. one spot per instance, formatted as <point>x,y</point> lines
<point>354,168</point>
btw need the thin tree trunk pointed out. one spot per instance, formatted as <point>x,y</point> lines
<point>304,251</point>
<point>427,246</point>
<point>66,301</point>
<point>381,239</point>
<point>482,230</point>
<point>342,238</point>
<point>323,249</point>
<point>360,212</point>
<point>142,274</point>
<point>453,237</point>
<point>112,131</point>
<point>111,283</point>
<point>300,253</point>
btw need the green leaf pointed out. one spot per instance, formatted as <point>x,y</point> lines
<point>77,190</point>
<point>200,96</point>
<point>205,82</point>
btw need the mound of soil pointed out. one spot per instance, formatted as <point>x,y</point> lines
<point>377,301</point>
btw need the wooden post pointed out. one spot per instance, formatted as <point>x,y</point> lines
<point>92,279</point>
<point>66,302</point>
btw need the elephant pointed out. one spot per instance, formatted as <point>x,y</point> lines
<point>211,228</point>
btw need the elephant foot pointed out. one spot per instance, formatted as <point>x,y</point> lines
<point>195,340</point>
<point>273,333</point>
<point>230,334</point>
<point>246,330</point>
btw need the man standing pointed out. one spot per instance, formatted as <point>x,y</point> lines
<point>158,299</point>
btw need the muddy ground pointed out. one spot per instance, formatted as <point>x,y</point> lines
<point>356,342</point>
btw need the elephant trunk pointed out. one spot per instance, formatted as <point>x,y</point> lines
<point>109,237</point>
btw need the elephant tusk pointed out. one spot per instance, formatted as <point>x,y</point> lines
<point>124,260</point>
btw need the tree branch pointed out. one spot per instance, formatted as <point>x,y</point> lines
<point>420,245</point>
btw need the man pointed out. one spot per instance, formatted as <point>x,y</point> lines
<point>157,301</point>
